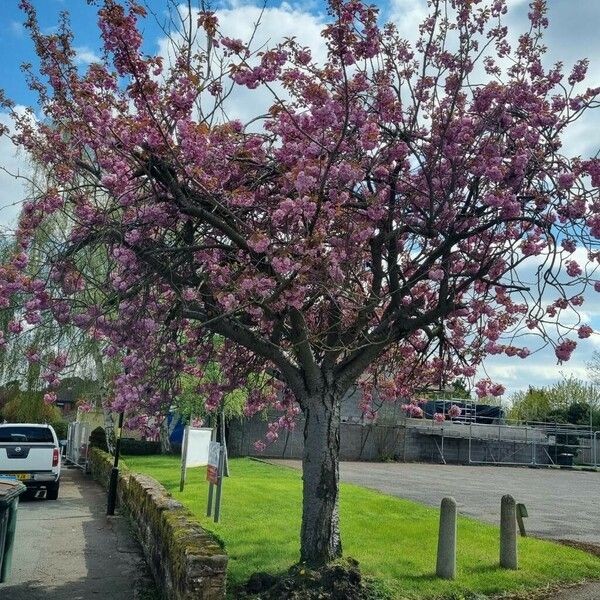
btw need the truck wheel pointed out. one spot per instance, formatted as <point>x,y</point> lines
<point>52,491</point>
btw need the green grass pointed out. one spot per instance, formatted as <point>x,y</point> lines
<point>394,539</point>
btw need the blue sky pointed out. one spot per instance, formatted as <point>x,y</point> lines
<point>573,34</point>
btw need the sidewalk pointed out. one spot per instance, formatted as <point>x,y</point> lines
<point>69,550</point>
<point>589,591</point>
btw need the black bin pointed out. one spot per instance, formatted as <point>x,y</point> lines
<point>10,490</point>
<point>565,459</point>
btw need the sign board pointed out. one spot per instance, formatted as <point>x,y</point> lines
<point>214,455</point>
<point>197,446</point>
<point>194,450</point>
<point>214,475</point>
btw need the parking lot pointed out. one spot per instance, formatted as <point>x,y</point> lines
<point>562,504</point>
<point>69,550</point>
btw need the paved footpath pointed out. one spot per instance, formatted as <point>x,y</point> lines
<point>69,550</point>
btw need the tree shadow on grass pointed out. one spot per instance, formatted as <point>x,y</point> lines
<point>422,577</point>
<point>480,569</point>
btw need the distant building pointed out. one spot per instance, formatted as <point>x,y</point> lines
<point>73,389</point>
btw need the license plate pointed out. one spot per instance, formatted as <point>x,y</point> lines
<point>20,476</point>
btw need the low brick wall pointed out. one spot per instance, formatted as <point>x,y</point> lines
<point>187,562</point>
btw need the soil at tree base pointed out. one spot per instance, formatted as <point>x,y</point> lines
<point>340,580</point>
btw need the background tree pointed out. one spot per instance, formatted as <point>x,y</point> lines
<point>531,405</point>
<point>32,342</point>
<point>190,404</point>
<point>593,368</point>
<point>570,400</point>
<point>398,213</point>
<point>29,407</point>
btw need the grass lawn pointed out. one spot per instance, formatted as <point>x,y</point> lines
<point>395,540</point>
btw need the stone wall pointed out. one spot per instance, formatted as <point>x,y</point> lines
<point>187,562</point>
<point>357,442</point>
<point>413,440</point>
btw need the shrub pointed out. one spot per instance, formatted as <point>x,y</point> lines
<point>139,447</point>
<point>98,439</point>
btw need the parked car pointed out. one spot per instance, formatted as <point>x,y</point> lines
<point>30,452</point>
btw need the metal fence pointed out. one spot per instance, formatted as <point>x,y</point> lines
<point>511,442</point>
<point>78,437</point>
<point>470,438</point>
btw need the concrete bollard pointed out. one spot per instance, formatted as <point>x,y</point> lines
<point>446,552</point>
<point>508,533</point>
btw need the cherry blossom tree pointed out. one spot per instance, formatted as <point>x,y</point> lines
<point>397,214</point>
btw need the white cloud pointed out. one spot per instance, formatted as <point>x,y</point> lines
<point>408,15</point>
<point>13,164</point>
<point>266,27</point>
<point>538,370</point>
<point>17,29</point>
<point>85,55</point>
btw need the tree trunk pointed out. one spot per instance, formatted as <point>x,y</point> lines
<point>109,422</point>
<point>165,431</point>
<point>320,540</point>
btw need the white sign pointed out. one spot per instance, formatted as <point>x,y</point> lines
<point>194,452</point>
<point>198,440</point>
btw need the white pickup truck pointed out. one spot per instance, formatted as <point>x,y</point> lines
<point>30,452</point>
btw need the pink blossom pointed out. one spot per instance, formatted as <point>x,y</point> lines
<point>260,446</point>
<point>439,417</point>
<point>564,350</point>
<point>15,327</point>
<point>49,398</point>
<point>566,180</point>
<point>412,410</point>
<point>272,436</point>
<point>304,56</point>
<point>236,46</point>
<point>485,388</point>
<point>32,355</point>
<point>259,244</point>
<point>85,407</point>
<point>454,411</point>
<point>436,274</point>
<point>584,331</point>
<point>573,269</point>
<point>304,182</point>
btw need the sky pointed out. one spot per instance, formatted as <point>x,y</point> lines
<point>572,35</point>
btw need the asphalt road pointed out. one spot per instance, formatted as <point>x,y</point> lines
<point>69,550</point>
<point>561,504</point>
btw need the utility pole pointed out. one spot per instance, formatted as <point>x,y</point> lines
<point>114,474</point>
